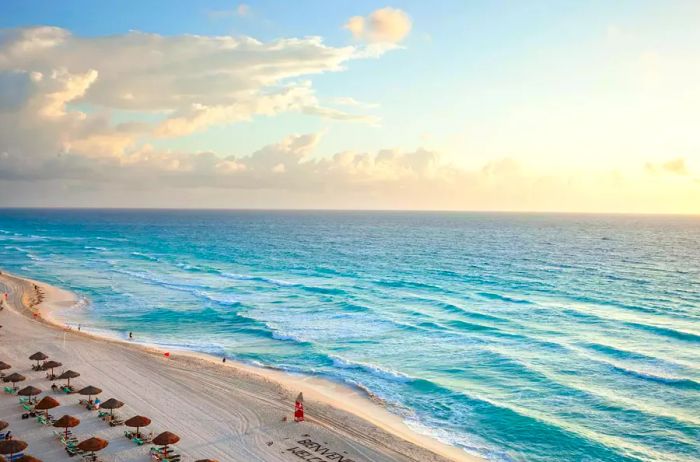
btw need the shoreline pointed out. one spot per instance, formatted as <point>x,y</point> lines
<point>337,397</point>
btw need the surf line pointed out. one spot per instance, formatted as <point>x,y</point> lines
<point>327,453</point>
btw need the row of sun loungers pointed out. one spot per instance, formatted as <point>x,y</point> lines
<point>160,453</point>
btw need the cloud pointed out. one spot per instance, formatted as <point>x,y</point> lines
<point>59,93</point>
<point>291,174</point>
<point>385,25</point>
<point>675,166</point>
<point>352,102</point>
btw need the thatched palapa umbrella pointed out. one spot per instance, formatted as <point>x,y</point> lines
<point>90,391</point>
<point>68,375</point>
<point>138,421</point>
<point>67,421</point>
<point>38,356</point>
<point>12,447</point>
<point>4,366</point>
<point>45,404</point>
<point>3,425</point>
<point>14,378</point>
<point>111,404</point>
<point>27,458</point>
<point>93,445</point>
<point>29,391</point>
<point>165,439</point>
<point>51,365</point>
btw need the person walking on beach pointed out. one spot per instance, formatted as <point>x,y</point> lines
<point>224,360</point>
<point>131,335</point>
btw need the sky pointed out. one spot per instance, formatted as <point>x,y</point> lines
<point>563,106</point>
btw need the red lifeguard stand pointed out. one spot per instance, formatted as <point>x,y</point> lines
<point>299,408</point>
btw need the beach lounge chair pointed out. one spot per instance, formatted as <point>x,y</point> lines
<point>115,422</point>
<point>11,390</point>
<point>157,454</point>
<point>23,399</point>
<point>14,457</point>
<point>72,450</point>
<point>3,436</point>
<point>41,418</point>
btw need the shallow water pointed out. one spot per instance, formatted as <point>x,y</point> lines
<point>518,337</point>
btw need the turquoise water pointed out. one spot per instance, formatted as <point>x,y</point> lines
<point>518,337</point>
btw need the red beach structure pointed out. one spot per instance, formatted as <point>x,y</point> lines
<point>299,408</point>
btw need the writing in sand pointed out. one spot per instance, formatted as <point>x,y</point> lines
<point>310,451</point>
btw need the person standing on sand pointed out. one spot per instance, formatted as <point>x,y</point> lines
<point>224,360</point>
<point>78,327</point>
<point>131,335</point>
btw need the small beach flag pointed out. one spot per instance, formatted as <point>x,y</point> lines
<point>299,408</point>
<point>167,354</point>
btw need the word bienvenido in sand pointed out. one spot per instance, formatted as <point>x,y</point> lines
<point>315,452</point>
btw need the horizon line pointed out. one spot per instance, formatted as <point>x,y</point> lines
<point>263,209</point>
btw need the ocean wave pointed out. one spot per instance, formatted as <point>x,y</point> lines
<point>26,253</point>
<point>504,298</point>
<point>230,300</point>
<point>144,256</point>
<point>403,284</point>
<point>280,334</point>
<point>112,239</point>
<point>666,331</point>
<point>678,382</point>
<point>268,280</point>
<point>619,352</point>
<point>372,369</point>
<point>97,248</point>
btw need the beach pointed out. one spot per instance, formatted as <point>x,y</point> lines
<point>228,412</point>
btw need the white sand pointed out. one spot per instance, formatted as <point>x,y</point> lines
<point>229,412</point>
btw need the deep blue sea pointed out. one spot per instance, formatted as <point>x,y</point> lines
<point>521,337</point>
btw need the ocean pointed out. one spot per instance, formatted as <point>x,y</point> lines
<point>519,337</point>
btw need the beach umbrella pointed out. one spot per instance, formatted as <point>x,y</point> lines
<point>68,375</point>
<point>45,404</point>
<point>27,458</point>
<point>3,425</point>
<point>93,445</point>
<point>138,421</point>
<point>51,365</point>
<point>67,421</point>
<point>165,439</point>
<point>12,447</point>
<point>4,366</point>
<point>111,404</point>
<point>90,391</point>
<point>38,356</point>
<point>14,378</point>
<point>29,391</point>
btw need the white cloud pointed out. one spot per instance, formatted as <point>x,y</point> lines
<point>677,166</point>
<point>385,25</point>
<point>170,85</point>
<point>352,102</point>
